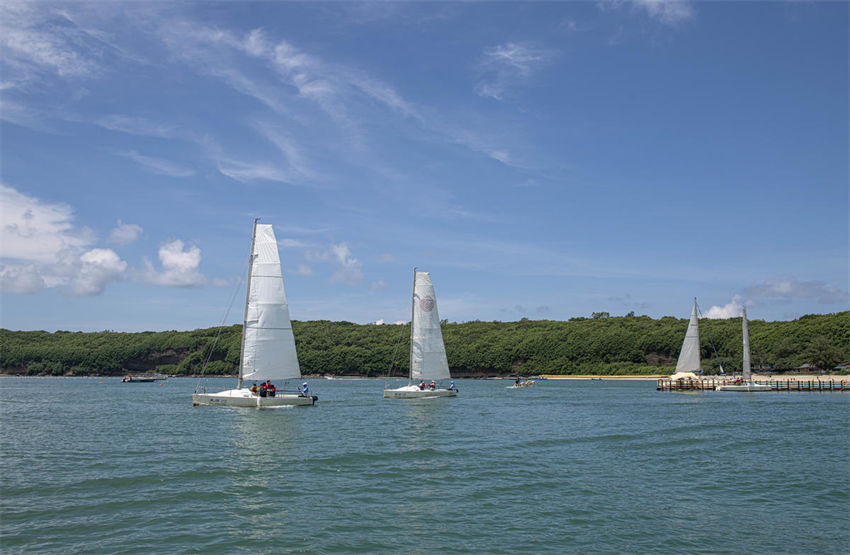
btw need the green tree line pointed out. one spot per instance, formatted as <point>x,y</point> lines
<point>600,345</point>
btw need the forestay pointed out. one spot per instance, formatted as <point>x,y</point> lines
<point>689,360</point>
<point>427,351</point>
<point>268,350</point>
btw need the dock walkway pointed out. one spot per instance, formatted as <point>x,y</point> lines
<point>709,384</point>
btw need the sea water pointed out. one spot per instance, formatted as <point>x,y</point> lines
<point>95,465</point>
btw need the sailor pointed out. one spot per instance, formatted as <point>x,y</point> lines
<point>451,387</point>
<point>422,384</point>
<point>263,390</point>
<point>254,389</point>
<point>432,385</point>
<point>304,389</point>
<point>271,389</point>
<point>516,382</point>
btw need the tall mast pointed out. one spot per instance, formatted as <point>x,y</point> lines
<point>247,298</point>
<point>412,311</point>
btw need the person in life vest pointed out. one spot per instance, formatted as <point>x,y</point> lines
<point>452,387</point>
<point>254,389</point>
<point>432,385</point>
<point>271,389</point>
<point>305,391</point>
<point>422,385</point>
<point>263,390</point>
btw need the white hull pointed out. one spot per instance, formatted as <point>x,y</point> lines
<point>244,398</point>
<point>747,387</point>
<point>413,392</point>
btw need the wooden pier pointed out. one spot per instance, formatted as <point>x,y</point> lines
<point>790,384</point>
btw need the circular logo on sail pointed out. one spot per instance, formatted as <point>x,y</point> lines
<point>426,304</point>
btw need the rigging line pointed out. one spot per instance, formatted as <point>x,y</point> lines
<point>395,350</point>
<point>713,348</point>
<point>218,334</point>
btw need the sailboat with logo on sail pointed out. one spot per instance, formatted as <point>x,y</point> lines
<point>268,344</point>
<point>428,362</point>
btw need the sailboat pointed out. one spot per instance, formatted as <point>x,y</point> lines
<point>427,351</point>
<point>747,383</point>
<point>689,363</point>
<point>268,345</point>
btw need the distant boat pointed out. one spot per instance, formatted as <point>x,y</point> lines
<point>746,383</point>
<point>427,352</point>
<point>518,383</point>
<point>268,345</point>
<point>142,379</point>
<point>689,363</point>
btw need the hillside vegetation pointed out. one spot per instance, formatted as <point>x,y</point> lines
<point>597,345</point>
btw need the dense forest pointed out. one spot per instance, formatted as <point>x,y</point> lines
<point>599,345</point>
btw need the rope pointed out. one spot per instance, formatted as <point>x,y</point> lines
<point>395,350</point>
<point>218,334</point>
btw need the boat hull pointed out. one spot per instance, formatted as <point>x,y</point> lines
<point>413,392</point>
<point>747,388</point>
<point>244,398</point>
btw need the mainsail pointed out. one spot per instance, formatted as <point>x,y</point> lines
<point>268,345</point>
<point>689,360</point>
<point>427,351</point>
<point>747,372</point>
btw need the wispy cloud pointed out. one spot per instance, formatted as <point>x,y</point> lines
<point>506,65</point>
<point>124,234</point>
<point>157,165</point>
<point>791,288</point>
<point>668,12</point>
<point>349,269</point>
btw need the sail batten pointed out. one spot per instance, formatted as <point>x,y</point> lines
<point>268,347</point>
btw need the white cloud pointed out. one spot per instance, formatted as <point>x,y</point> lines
<point>37,231</point>
<point>508,64</point>
<point>124,234</point>
<point>350,269</point>
<point>730,310</point>
<point>21,279</point>
<point>97,269</point>
<point>378,285</point>
<point>157,165</point>
<point>180,265</point>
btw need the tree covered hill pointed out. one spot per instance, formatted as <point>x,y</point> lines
<point>597,345</point>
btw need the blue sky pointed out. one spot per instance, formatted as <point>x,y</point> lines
<point>541,160</point>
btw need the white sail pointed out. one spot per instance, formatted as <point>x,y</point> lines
<point>689,360</point>
<point>747,372</point>
<point>268,345</point>
<point>427,351</point>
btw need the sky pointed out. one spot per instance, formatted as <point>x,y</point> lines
<point>542,160</point>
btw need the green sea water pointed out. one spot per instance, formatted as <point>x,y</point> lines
<point>91,465</point>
